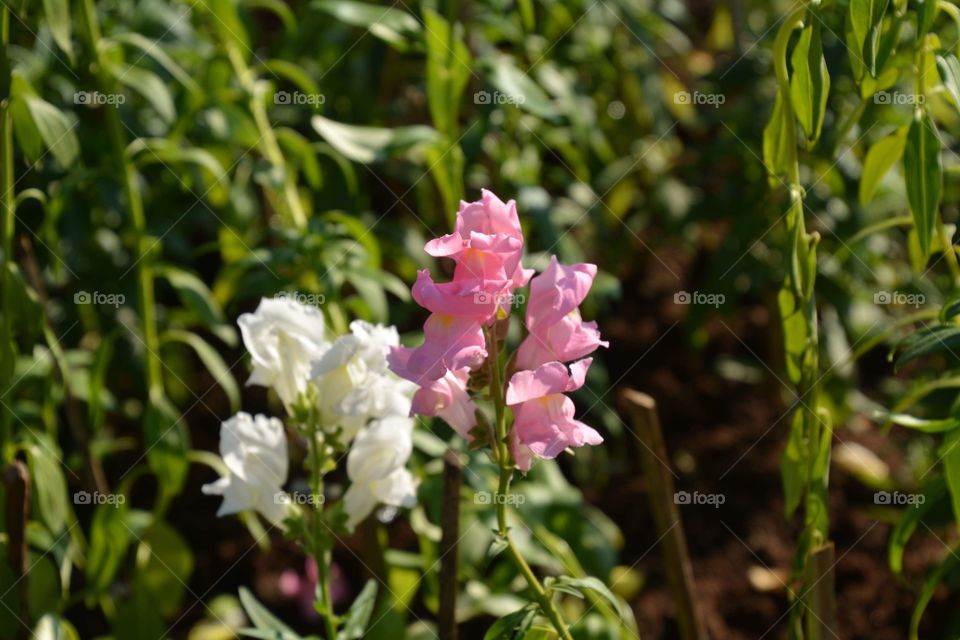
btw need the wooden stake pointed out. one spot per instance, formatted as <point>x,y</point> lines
<point>653,458</point>
<point>450,523</point>
<point>16,480</point>
<point>821,599</point>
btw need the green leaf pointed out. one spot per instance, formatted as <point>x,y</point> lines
<point>589,583</point>
<point>53,627</point>
<point>932,491</point>
<point>515,87</point>
<point>166,442</point>
<point>794,465</point>
<point>109,540</point>
<point>924,342</point>
<point>920,424</point>
<point>262,619</point>
<point>149,86</point>
<point>137,618</point>
<point>57,13</point>
<point>152,49</point>
<point>293,73</point>
<point>950,452</point>
<point>775,144</point>
<point>810,81</point>
<point>390,24</point>
<point>866,20</point>
<point>198,297</point>
<point>358,617</point>
<point>923,173</point>
<point>279,8</point>
<point>949,69</point>
<point>880,158</point>
<point>164,566</point>
<point>512,625</point>
<point>153,150</point>
<point>50,485</point>
<point>302,152</point>
<point>211,359</point>
<point>448,71</point>
<point>369,144</point>
<point>39,124</point>
<point>926,14</point>
<point>950,563</point>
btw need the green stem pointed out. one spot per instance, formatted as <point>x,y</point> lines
<point>506,473</point>
<point>321,538</point>
<point>144,269</point>
<point>802,278</point>
<point>8,205</point>
<point>268,140</point>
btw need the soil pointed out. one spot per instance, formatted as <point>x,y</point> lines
<point>728,437</point>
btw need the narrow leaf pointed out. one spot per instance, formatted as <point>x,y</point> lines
<point>880,158</point>
<point>923,173</point>
<point>810,81</point>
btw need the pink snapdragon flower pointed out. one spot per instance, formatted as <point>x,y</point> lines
<point>445,397</point>
<point>557,331</point>
<point>487,247</point>
<point>544,425</point>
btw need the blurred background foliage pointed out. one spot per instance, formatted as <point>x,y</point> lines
<point>175,161</point>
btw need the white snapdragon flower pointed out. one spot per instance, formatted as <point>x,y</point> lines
<point>254,450</point>
<point>376,468</point>
<point>283,337</point>
<point>354,382</point>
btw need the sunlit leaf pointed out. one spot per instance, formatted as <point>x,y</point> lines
<point>923,174</point>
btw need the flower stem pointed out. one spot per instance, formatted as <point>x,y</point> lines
<point>7,204</point>
<point>506,474</point>
<point>321,541</point>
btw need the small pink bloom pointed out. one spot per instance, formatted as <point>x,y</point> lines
<point>547,379</point>
<point>546,426</point>
<point>558,291</point>
<point>462,298</point>
<point>445,398</point>
<point>449,343</point>
<point>543,417</point>
<point>487,246</point>
<point>569,339</point>
<point>489,215</point>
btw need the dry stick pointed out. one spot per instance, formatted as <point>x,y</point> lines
<point>823,605</point>
<point>450,522</point>
<point>16,480</point>
<point>643,411</point>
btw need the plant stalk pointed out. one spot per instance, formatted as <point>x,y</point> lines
<point>503,489</point>
<point>321,546</point>
<point>7,204</point>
